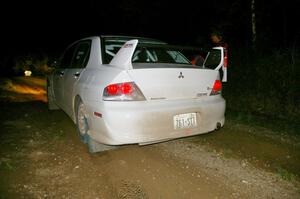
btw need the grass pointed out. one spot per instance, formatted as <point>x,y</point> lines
<point>275,124</point>
<point>285,174</point>
<point>7,165</point>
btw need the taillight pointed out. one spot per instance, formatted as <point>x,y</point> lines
<point>217,88</point>
<point>127,91</point>
<point>225,58</point>
<point>112,89</point>
<point>126,88</point>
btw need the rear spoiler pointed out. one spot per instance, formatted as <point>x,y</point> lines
<point>217,57</point>
<point>123,57</point>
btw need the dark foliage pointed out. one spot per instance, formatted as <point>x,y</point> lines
<point>265,83</point>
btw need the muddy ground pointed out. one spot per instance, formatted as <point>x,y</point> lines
<point>42,157</point>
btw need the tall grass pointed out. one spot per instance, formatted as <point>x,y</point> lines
<point>264,83</point>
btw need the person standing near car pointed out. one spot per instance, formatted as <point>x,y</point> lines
<point>217,39</point>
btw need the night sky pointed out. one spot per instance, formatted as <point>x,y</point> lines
<point>49,26</point>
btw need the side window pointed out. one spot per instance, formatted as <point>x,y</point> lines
<point>66,59</point>
<point>81,55</point>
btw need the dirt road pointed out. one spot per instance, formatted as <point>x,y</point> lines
<point>42,157</point>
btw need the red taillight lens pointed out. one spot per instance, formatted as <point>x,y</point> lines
<point>112,89</point>
<point>217,85</point>
<point>115,89</point>
<point>126,88</point>
<point>127,91</point>
<point>217,88</point>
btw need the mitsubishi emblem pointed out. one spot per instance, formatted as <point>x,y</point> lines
<point>180,75</point>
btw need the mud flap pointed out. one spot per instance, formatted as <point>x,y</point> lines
<point>95,147</point>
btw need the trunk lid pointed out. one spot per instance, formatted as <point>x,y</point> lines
<point>174,83</point>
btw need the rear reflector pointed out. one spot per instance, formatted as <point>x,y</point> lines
<point>97,114</point>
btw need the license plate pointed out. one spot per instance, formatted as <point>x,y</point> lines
<point>183,121</point>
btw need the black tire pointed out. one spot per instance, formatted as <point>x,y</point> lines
<point>81,122</point>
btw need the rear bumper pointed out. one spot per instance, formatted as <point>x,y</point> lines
<point>148,122</point>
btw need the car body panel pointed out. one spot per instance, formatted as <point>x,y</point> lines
<point>58,81</point>
<point>159,83</point>
<point>148,122</point>
<point>71,79</point>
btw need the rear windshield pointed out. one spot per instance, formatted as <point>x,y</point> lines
<point>146,52</point>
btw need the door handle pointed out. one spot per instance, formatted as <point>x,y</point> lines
<point>76,74</point>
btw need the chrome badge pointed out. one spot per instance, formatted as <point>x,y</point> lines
<point>180,75</point>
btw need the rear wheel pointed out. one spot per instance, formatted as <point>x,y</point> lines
<point>83,128</point>
<point>81,122</point>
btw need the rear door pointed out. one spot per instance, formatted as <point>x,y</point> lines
<point>72,73</point>
<point>59,75</point>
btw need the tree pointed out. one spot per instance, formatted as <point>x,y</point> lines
<point>253,22</point>
<point>36,63</point>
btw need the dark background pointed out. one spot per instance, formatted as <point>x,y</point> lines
<point>50,25</point>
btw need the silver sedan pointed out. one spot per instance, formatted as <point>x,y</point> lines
<point>131,90</point>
